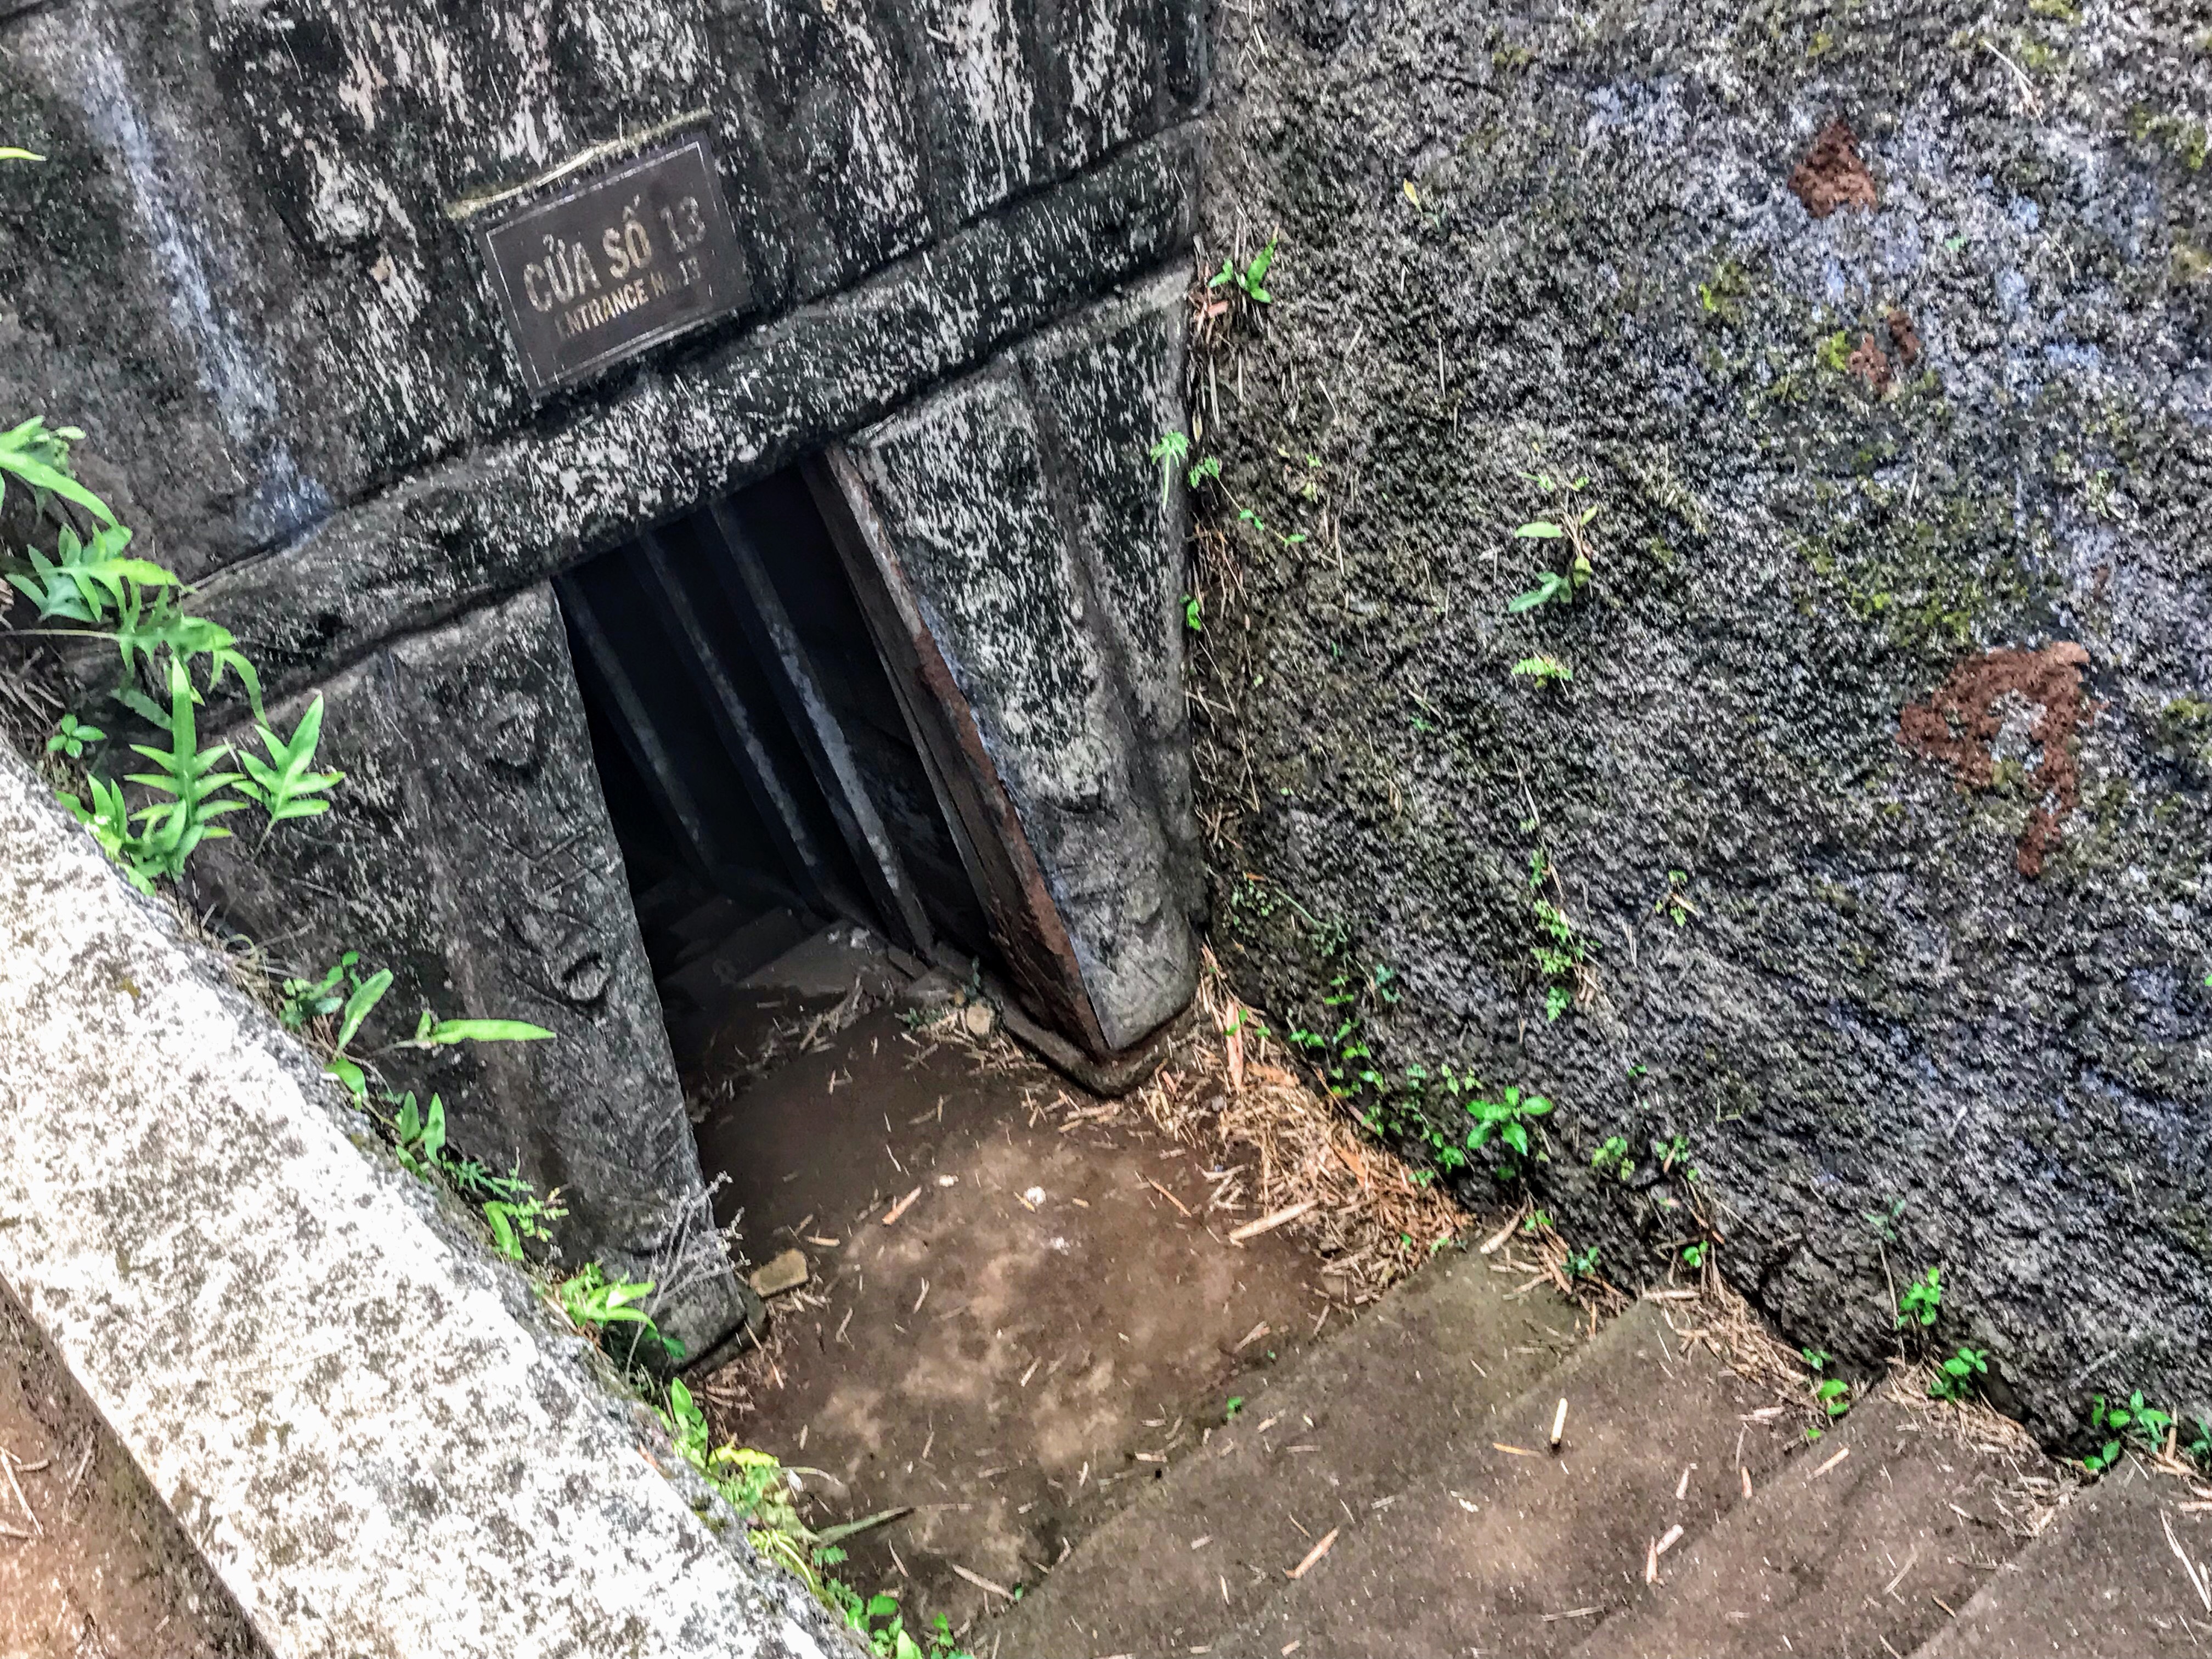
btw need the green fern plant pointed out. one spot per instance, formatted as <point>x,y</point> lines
<point>285,786</point>
<point>36,456</point>
<point>85,579</point>
<point>193,779</point>
<point>103,811</point>
<point>91,586</point>
<point>152,624</point>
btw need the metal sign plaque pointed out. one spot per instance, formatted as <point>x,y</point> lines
<point>613,266</point>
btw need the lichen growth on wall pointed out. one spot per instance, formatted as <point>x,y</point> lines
<point>1844,438</point>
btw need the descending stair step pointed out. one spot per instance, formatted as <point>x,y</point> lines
<point>668,900</point>
<point>706,981</point>
<point>2103,1582</point>
<point>1356,1421</point>
<point>1829,1558</point>
<point>1521,1555</point>
<point>697,931</point>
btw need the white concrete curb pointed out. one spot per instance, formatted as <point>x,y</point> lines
<point>354,1411</point>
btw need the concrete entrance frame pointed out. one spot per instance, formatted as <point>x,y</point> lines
<point>966,231</point>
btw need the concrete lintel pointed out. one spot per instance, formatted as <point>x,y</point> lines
<point>359,1417</point>
<point>507,516</point>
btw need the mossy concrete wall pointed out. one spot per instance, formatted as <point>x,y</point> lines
<point>1894,647</point>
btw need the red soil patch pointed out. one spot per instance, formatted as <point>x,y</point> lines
<point>1832,175</point>
<point>1960,721</point>
<point>1871,364</point>
<point>1905,338</point>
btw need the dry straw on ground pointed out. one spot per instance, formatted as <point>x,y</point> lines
<point>1229,1091</point>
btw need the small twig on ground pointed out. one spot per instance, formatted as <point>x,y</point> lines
<point>982,1582</point>
<point>1327,1542</point>
<point>7,1462</point>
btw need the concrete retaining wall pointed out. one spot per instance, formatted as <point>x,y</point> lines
<point>360,1417</point>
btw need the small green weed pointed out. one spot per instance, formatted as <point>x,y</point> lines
<point>1545,670</point>
<point>1537,1223</point>
<point>1250,278</point>
<point>1583,1264</point>
<point>1507,1118</point>
<point>1169,451</point>
<point>308,1000</point>
<point>1208,471</point>
<point>1611,1158</point>
<point>1674,904</point>
<point>1568,525</point>
<point>72,737</point>
<point>1721,297</point>
<point>430,1032</point>
<point>513,1210</point>
<point>1884,1222</point>
<point>1234,1405</point>
<point>759,1488</point>
<point>1693,1255</point>
<point>1954,1377</point>
<point>2137,1420</point>
<point>1922,1300</point>
<point>1562,953</point>
<point>596,1304</point>
<point>1832,1394</point>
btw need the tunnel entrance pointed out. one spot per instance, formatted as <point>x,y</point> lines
<point>764,780</point>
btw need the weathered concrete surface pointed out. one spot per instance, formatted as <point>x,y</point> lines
<point>517,511</point>
<point>247,270</point>
<point>262,200</point>
<point>1103,387</point>
<point>1602,267</point>
<point>108,1571</point>
<point>355,1413</point>
<point>470,852</point>
<point>962,486</point>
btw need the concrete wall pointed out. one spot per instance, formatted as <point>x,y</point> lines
<point>247,271</point>
<point>1856,430</point>
<point>357,1415</point>
<point>260,201</point>
<point>471,854</point>
<point>1022,513</point>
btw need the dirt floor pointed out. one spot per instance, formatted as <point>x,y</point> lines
<point>91,1565</point>
<point>1020,1305</point>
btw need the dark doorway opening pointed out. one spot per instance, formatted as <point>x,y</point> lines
<point>763,776</point>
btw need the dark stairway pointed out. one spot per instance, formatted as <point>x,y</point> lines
<point>758,767</point>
